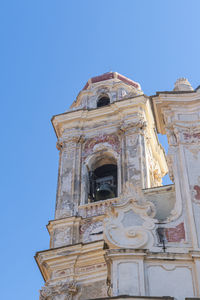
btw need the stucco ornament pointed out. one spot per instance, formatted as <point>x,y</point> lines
<point>134,192</point>
<point>129,225</point>
<point>49,291</point>
<point>131,192</point>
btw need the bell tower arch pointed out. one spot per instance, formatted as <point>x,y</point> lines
<point>103,175</point>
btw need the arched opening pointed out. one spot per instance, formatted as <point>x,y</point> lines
<point>103,101</point>
<point>103,182</point>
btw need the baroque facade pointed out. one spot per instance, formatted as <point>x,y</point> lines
<point>117,232</point>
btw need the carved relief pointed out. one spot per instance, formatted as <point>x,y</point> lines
<point>137,126</point>
<point>49,291</point>
<point>128,225</point>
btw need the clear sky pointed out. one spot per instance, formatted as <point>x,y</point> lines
<point>49,49</point>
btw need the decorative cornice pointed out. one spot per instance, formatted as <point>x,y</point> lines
<point>175,103</point>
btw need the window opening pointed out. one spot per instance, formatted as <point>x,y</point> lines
<point>103,101</point>
<point>162,138</point>
<point>103,183</point>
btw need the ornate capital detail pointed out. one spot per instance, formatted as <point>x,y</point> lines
<point>72,135</point>
<point>59,144</point>
<point>60,288</point>
<point>129,125</point>
<point>72,139</point>
<point>69,142</point>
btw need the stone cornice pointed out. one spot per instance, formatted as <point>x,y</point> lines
<point>51,259</point>
<point>60,222</point>
<point>148,255</point>
<point>81,118</point>
<point>165,104</point>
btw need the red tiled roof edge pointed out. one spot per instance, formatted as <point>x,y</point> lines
<point>110,75</point>
<point>128,81</point>
<point>86,86</point>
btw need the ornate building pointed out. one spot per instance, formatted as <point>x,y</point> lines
<point>117,232</point>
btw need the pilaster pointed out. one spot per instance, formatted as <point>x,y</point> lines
<point>178,115</point>
<point>68,190</point>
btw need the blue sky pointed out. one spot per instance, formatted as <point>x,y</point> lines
<point>49,49</point>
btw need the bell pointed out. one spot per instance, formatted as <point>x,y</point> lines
<point>105,191</point>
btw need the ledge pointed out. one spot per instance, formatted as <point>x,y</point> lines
<point>121,297</point>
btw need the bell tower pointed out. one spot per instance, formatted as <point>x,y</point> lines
<point>117,230</point>
<point>106,139</point>
<point>107,146</point>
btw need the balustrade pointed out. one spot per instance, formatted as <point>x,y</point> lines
<point>96,208</point>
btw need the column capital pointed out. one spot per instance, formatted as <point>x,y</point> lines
<point>137,127</point>
<point>69,141</point>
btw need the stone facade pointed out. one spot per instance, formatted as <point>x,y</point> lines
<point>144,242</point>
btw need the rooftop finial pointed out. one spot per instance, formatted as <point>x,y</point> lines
<point>182,84</point>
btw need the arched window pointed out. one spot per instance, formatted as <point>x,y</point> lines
<point>103,101</point>
<point>103,182</point>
